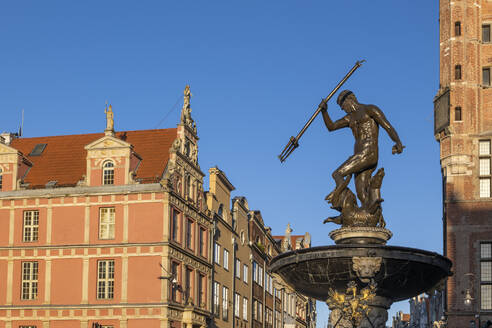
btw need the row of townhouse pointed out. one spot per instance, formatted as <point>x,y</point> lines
<point>115,229</point>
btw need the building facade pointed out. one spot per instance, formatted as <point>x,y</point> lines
<point>104,228</point>
<point>463,128</point>
<point>116,229</point>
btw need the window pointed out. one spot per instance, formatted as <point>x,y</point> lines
<point>486,276</point>
<point>484,167</point>
<point>226,259</point>
<point>486,76</point>
<point>108,173</point>
<point>106,223</point>
<point>255,271</point>
<point>1,179</point>
<point>27,326</point>
<point>216,298</point>
<point>174,287</point>
<point>202,242</point>
<point>202,297</point>
<point>278,319</point>
<point>268,284</point>
<point>257,311</point>
<point>217,253</point>
<point>457,72</point>
<point>31,226</point>
<point>268,316</point>
<point>457,28</point>
<point>245,309</point>
<point>457,113</point>
<point>260,275</point>
<point>237,304</point>
<point>188,286</point>
<point>175,225</point>
<point>220,210</point>
<point>105,279</point>
<point>225,303</point>
<point>486,33</point>
<point>189,234</point>
<point>238,269</point>
<point>245,273</point>
<point>29,280</point>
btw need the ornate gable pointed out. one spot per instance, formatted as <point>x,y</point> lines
<point>110,160</point>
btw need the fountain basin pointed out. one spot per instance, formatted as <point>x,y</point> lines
<point>404,272</point>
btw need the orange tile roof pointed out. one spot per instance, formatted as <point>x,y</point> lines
<point>64,158</point>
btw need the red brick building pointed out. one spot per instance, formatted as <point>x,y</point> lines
<point>463,128</point>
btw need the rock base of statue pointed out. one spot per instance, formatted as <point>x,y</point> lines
<point>361,235</point>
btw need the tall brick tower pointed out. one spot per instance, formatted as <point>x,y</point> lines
<point>463,128</point>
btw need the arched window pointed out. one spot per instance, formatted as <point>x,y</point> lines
<point>108,173</point>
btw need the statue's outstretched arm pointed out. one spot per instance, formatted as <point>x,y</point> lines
<point>378,115</point>
<point>330,125</point>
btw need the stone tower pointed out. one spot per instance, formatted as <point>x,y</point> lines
<point>463,128</point>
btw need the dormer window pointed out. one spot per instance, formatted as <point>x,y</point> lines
<point>108,173</point>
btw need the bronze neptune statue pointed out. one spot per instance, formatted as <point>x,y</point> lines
<point>364,121</point>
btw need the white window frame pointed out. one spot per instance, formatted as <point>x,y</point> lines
<point>108,173</point>
<point>30,226</point>
<point>245,273</point>
<point>106,222</point>
<point>255,271</point>
<point>237,305</point>
<point>30,276</point>
<point>105,279</point>
<point>238,268</point>
<point>217,253</point>
<point>245,309</point>
<point>216,298</point>
<point>226,259</point>
<point>225,303</point>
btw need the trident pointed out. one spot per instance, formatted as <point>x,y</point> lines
<point>294,142</point>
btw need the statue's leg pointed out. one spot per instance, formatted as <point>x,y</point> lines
<point>362,181</point>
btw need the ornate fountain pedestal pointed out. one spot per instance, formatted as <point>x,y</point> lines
<point>360,280</point>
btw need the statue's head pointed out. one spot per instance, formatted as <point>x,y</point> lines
<point>347,101</point>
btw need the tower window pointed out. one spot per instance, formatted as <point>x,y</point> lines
<point>457,72</point>
<point>486,276</point>
<point>457,28</point>
<point>457,114</point>
<point>486,76</point>
<point>486,33</point>
<point>108,173</point>
<point>484,168</point>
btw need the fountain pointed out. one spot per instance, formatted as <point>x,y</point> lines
<point>360,276</point>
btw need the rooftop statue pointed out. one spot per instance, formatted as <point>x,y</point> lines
<point>109,118</point>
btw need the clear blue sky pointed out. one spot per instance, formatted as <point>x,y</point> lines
<point>257,70</point>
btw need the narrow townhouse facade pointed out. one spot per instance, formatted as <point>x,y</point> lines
<point>109,228</point>
<point>463,129</point>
